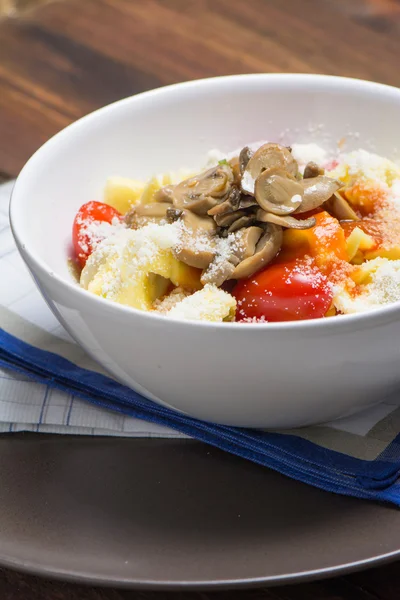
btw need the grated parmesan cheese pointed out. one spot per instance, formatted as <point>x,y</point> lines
<point>366,166</point>
<point>93,232</point>
<point>164,305</point>
<point>119,266</point>
<point>209,304</point>
<point>382,287</point>
<point>305,153</point>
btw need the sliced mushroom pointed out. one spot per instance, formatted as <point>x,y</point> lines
<point>153,209</point>
<point>267,157</point>
<point>338,207</point>
<point>244,221</point>
<point>222,209</point>
<point>286,221</point>
<point>164,194</point>
<point>218,272</point>
<point>245,155</point>
<point>202,192</point>
<point>197,223</point>
<point>316,191</point>
<point>173,214</point>
<point>244,246</point>
<point>237,175</point>
<point>312,170</point>
<point>193,255</point>
<point>247,239</point>
<point>227,219</point>
<point>278,192</point>
<point>197,244</point>
<point>130,218</point>
<point>247,201</point>
<point>229,205</point>
<point>266,249</point>
<point>142,214</point>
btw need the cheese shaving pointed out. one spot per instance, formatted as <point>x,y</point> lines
<point>209,304</point>
<point>382,287</point>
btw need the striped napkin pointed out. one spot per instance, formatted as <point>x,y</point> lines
<point>43,389</point>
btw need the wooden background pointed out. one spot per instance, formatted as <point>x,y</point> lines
<point>61,59</point>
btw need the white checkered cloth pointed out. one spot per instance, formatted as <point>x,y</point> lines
<point>28,406</point>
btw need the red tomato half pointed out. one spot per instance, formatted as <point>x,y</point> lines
<point>83,238</point>
<point>284,292</point>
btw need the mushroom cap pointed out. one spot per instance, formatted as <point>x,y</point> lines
<point>267,156</point>
<point>278,192</point>
<point>266,249</point>
<point>245,155</point>
<point>285,221</point>
<point>316,191</point>
<point>312,170</point>
<point>204,191</point>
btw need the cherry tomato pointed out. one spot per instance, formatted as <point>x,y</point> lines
<point>284,292</point>
<point>82,238</point>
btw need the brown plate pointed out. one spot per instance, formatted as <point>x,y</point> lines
<point>175,514</point>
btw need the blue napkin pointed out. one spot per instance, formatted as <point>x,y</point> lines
<point>289,454</point>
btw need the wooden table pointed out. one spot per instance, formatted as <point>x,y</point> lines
<point>61,59</point>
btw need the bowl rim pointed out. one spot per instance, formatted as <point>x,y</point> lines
<point>368,319</point>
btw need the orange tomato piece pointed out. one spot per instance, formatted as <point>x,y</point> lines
<point>325,242</point>
<point>364,199</point>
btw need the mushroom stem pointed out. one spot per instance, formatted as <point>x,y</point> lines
<point>338,207</point>
<point>285,221</point>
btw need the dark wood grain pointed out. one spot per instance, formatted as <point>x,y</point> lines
<point>61,59</point>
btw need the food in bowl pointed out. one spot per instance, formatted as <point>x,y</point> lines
<point>266,234</point>
<point>230,373</point>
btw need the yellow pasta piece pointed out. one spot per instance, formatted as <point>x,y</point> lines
<point>358,241</point>
<point>389,253</point>
<point>331,311</point>
<point>151,187</point>
<point>358,258</point>
<point>116,274</point>
<point>363,275</point>
<point>122,193</point>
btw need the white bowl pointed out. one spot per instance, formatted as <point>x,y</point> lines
<point>275,375</point>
